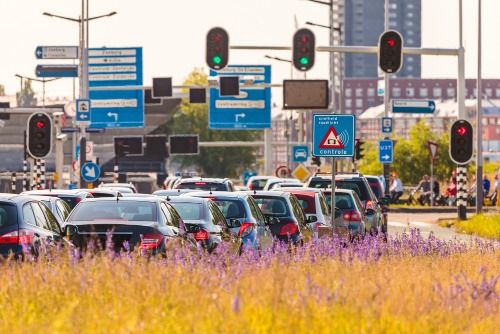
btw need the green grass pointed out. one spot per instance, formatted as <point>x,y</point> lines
<point>487,226</point>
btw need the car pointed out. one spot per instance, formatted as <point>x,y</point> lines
<point>59,208</point>
<point>315,207</point>
<point>26,225</point>
<point>71,197</point>
<point>103,192</point>
<point>379,191</point>
<point>243,217</point>
<point>284,213</point>
<point>351,220</point>
<point>258,182</point>
<point>204,220</point>
<point>121,187</point>
<point>272,183</point>
<point>149,224</point>
<point>169,182</point>
<point>205,184</point>
<point>358,183</point>
<point>287,185</point>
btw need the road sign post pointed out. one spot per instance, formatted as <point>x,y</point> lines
<point>433,146</point>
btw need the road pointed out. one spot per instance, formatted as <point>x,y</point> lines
<point>426,222</point>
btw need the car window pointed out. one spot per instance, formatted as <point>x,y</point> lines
<point>189,211</point>
<point>53,225</point>
<point>176,219</point>
<point>358,203</point>
<point>217,215</point>
<point>41,220</point>
<point>231,208</point>
<point>256,213</point>
<point>63,209</point>
<point>272,206</point>
<point>324,206</point>
<point>166,214</point>
<point>28,215</point>
<point>8,215</point>
<point>115,210</point>
<point>344,201</point>
<point>201,185</point>
<point>358,185</point>
<point>297,209</point>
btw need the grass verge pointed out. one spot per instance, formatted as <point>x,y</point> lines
<point>484,225</point>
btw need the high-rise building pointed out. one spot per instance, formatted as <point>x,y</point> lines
<point>362,23</point>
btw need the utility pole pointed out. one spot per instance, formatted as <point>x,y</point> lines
<point>386,94</point>
<point>479,114</point>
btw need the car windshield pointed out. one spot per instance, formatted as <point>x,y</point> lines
<point>359,187</point>
<point>206,186</point>
<point>231,209</point>
<point>375,189</point>
<point>189,211</point>
<point>258,184</point>
<point>72,201</point>
<point>8,215</point>
<point>115,210</point>
<point>272,206</point>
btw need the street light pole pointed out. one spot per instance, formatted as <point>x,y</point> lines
<point>479,118</point>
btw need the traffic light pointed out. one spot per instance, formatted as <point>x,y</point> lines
<point>39,135</point>
<point>359,149</point>
<point>183,144</point>
<point>461,142</point>
<point>316,161</point>
<point>217,48</point>
<point>303,49</point>
<point>390,54</point>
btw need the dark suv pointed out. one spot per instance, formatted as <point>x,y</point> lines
<point>357,182</point>
<point>205,184</point>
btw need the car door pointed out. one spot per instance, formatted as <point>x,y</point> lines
<point>298,211</point>
<point>219,221</point>
<point>168,228</point>
<point>43,234</point>
<point>265,236</point>
<point>63,210</point>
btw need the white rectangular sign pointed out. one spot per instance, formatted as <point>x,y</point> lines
<point>225,104</point>
<point>113,60</point>
<point>112,69</point>
<point>115,103</point>
<point>56,52</point>
<point>118,76</point>
<point>112,52</point>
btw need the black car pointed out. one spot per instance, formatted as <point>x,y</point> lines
<point>71,197</point>
<point>284,213</point>
<point>147,223</point>
<point>26,225</point>
<point>205,184</point>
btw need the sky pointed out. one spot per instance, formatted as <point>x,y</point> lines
<point>172,34</point>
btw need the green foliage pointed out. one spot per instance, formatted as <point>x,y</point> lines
<point>2,90</point>
<point>411,156</point>
<point>487,226</point>
<point>212,161</point>
<point>26,97</point>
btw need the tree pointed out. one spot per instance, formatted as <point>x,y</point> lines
<point>212,161</point>
<point>2,90</point>
<point>26,97</point>
<point>411,156</point>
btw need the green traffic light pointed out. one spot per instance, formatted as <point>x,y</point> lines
<point>217,60</point>
<point>304,61</point>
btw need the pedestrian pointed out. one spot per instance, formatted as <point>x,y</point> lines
<point>396,189</point>
<point>451,191</point>
<point>425,187</point>
<point>486,186</point>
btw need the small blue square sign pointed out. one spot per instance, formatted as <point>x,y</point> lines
<point>386,124</point>
<point>300,153</point>
<point>333,135</point>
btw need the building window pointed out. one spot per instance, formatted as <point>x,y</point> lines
<point>396,92</point>
<point>424,92</point>
<point>497,91</point>
<point>348,111</point>
<point>393,6</point>
<point>359,92</point>
<point>348,103</point>
<point>410,59</point>
<point>409,23</point>
<point>410,41</point>
<point>410,6</point>
<point>409,15</point>
<point>450,92</point>
<point>492,121</point>
<point>498,121</point>
<point>359,112</point>
<point>348,92</point>
<point>359,103</point>
<point>410,92</point>
<point>489,92</point>
<point>410,68</point>
<point>484,121</point>
<point>437,92</point>
<point>474,92</point>
<point>370,92</point>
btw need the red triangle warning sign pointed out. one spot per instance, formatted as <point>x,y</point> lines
<point>331,139</point>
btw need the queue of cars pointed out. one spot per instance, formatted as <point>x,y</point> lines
<point>202,213</point>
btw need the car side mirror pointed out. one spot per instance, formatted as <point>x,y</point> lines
<point>384,201</point>
<point>312,219</point>
<point>232,223</point>
<point>69,231</point>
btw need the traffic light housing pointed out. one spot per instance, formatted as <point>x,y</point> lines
<point>39,135</point>
<point>390,54</point>
<point>217,48</point>
<point>316,161</point>
<point>461,142</point>
<point>359,149</point>
<point>304,49</point>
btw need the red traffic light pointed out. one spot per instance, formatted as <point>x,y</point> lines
<point>391,42</point>
<point>40,124</point>
<point>461,131</point>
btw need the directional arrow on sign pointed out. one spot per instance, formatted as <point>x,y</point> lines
<point>238,116</point>
<point>413,106</point>
<point>112,114</point>
<point>90,172</point>
<point>39,52</point>
<point>386,157</point>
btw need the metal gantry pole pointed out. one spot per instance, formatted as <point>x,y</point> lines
<point>479,118</point>
<point>386,94</point>
<point>332,58</point>
<point>461,169</point>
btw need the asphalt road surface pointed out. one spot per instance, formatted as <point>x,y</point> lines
<point>426,223</point>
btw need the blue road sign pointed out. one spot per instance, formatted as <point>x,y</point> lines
<point>56,71</point>
<point>413,106</point>
<point>83,111</point>
<point>386,124</point>
<point>333,135</point>
<point>90,172</point>
<point>70,130</point>
<point>247,175</point>
<point>56,52</point>
<point>300,153</point>
<point>116,67</point>
<point>385,151</point>
<point>251,109</point>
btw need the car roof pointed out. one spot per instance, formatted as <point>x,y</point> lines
<point>270,193</point>
<point>110,185</point>
<point>7,197</point>
<point>293,189</point>
<point>55,192</point>
<point>304,193</point>
<point>45,198</point>
<point>102,191</point>
<point>188,199</point>
<point>227,194</point>
<point>137,195</point>
<point>203,179</point>
<point>172,192</point>
<point>151,198</point>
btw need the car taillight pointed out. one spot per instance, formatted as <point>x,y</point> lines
<point>352,216</point>
<point>370,205</point>
<point>250,186</point>
<point>22,237</point>
<point>245,229</point>
<point>201,235</point>
<point>151,240</point>
<point>200,183</point>
<point>289,229</point>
